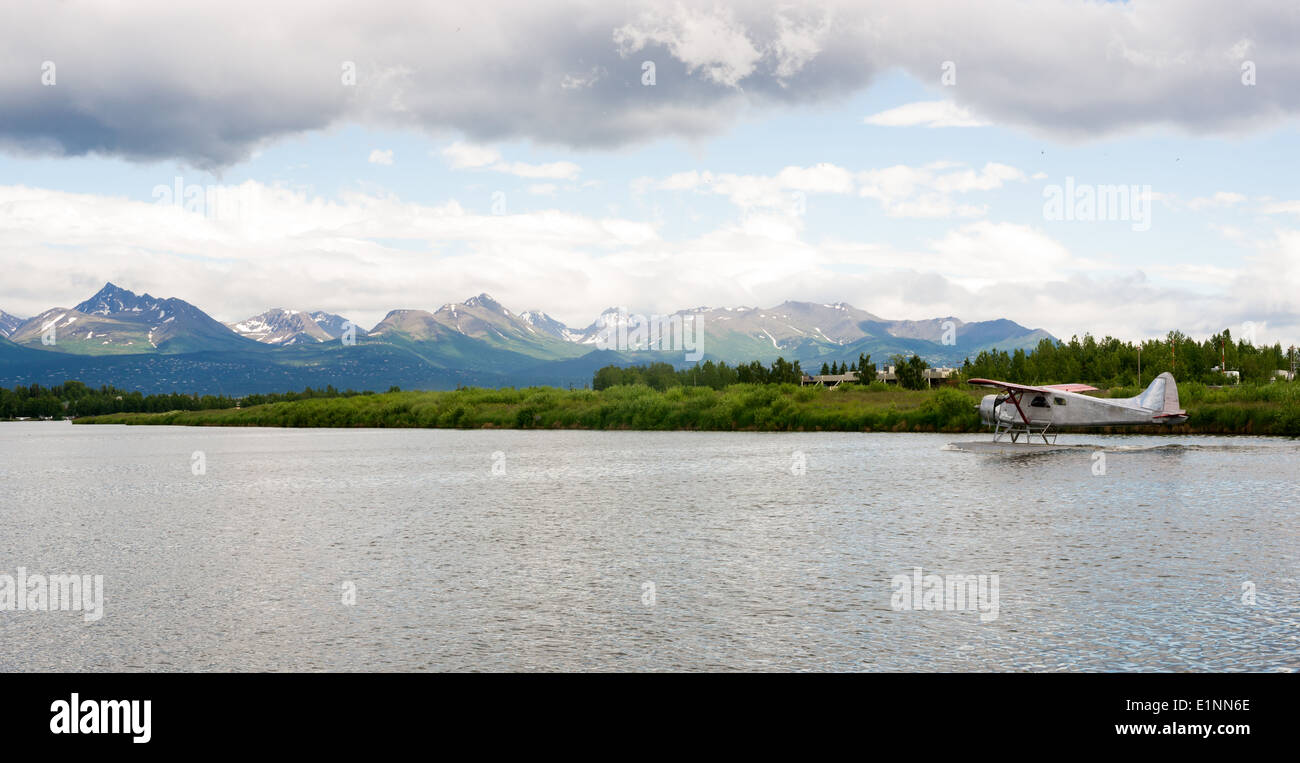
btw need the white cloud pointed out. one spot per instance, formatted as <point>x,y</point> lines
<point>926,114</point>
<point>1220,199</point>
<point>903,191</point>
<point>550,170</point>
<point>381,157</point>
<point>679,181</point>
<point>799,41</point>
<point>819,178</point>
<point>1282,208</point>
<point>1229,232</point>
<point>339,254</point>
<point>928,190</point>
<point>759,191</point>
<point>336,254</point>
<point>1192,273</point>
<point>580,81</point>
<point>461,155</point>
<point>711,42</point>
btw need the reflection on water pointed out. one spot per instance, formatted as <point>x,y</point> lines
<point>762,551</point>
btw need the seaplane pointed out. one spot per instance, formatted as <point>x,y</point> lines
<point>1021,410</point>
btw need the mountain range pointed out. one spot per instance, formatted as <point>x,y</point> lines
<point>285,327</point>
<point>154,344</point>
<point>8,323</point>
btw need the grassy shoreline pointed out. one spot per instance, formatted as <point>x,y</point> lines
<point>1262,410</point>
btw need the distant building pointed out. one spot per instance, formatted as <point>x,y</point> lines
<point>941,375</point>
<point>884,375</point>
<point>829,380</point>
<point>933,376</point>
<point>1233,377</point>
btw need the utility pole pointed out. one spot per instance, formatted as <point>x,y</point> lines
<point>1139,365</point>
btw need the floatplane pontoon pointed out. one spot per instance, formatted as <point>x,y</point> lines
<point>1020,410</point>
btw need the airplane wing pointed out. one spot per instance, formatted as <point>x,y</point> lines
<point>1026,388</point>
<point>1072,387</point>
<point>1006,385</point>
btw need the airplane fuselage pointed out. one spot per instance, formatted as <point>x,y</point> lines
<point>1063,409</point>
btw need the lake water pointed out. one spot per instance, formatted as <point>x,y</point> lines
<point>526,550</point>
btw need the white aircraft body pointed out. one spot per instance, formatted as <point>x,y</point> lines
<point>1043,411</point>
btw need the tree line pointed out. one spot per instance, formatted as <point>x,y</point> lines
<point>1110,362</point>
<point>74,399</point>
<point>863,367</point>
<point>1107,362</point>
<point>718,375</point>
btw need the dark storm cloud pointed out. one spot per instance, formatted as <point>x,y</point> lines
<point>152,80</point>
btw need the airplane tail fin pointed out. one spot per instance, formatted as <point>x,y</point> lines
<point>1161,395</point>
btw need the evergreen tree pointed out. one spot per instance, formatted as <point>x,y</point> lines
<point>910,371</point>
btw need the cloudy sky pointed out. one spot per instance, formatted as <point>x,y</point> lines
<point>1118,168</point>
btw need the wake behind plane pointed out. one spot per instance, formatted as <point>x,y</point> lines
<point>1029,411</point>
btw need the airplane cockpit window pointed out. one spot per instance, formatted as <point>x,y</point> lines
<point>1058,400</point>
<point>1039,402</point>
